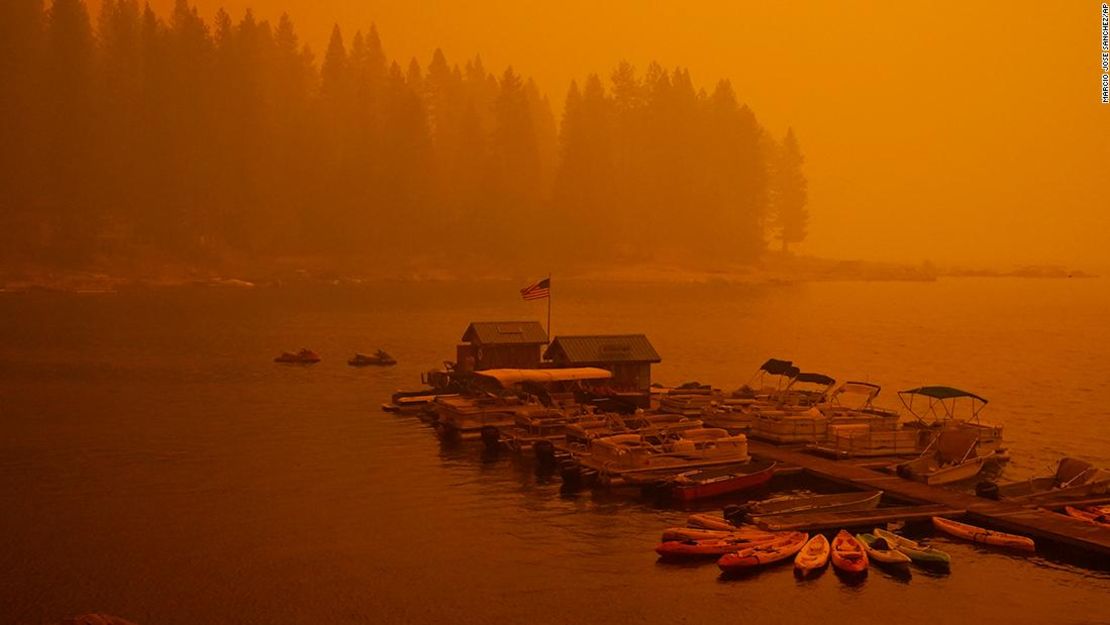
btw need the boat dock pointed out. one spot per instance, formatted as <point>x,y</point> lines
<point>810,521</point>
<point>1007,516</point>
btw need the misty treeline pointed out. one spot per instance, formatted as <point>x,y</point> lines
<point>136,135</point>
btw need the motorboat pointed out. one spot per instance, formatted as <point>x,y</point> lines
<point>495,399</point>
<point>1072,478</point>
<point>654,459</point>
<point>936,408</point>
<point>952,457</point>
<point>379,358</point>
<point>304,356</point>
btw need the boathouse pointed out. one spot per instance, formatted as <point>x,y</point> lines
<point>628,356</point>
<point>501,345</point>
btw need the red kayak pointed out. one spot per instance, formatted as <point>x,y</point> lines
<point>848,554</point>
<point>761,555</point>
<point>734,478</point>
<point>690,549</point>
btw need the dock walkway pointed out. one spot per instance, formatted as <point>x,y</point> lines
<point>1003,515</point>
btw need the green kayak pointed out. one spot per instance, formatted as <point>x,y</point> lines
<point>917,552</point>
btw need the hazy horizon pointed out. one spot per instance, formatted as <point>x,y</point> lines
<point>956,134</point>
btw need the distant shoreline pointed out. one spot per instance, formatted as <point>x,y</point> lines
<point>773,270</point>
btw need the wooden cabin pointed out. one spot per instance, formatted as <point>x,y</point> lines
<point>501,345</point>
<point>628,356</point>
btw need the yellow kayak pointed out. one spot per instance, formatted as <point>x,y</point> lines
<point>813,556</point>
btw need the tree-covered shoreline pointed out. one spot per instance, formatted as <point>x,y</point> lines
<point>133,136</point>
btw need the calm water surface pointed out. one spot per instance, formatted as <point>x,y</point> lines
<point>156,465</point>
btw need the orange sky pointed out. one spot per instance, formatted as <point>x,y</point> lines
<point>934,130</point>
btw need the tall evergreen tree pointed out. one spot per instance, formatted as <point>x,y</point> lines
<point>790,192</point>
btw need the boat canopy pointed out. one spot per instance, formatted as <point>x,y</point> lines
<point>941,392</point>
<point>509,377</point>
<point>775,366</point>
<point>814,378</point>
<point>868,390</point>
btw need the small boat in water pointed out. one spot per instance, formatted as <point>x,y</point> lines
<point>953,456</point>
<point>705,483</point>
<point>813,557</point>
<point>379,359</point>
<point>921,554</point>
<point>865,500</point>
<point>848,554</point>
<point>1072,478</point>
<point>303,357</point>
<point>983,536</point>
<point>763,554</point>
<point>880,551</point>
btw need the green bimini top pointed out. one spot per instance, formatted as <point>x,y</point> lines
<point>941,392</point>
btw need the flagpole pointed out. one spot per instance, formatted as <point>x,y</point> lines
<point>549,337</point>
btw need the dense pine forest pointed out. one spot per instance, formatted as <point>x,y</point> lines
<point>132,135</point>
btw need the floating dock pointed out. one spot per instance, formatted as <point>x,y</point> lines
<point>811,521</point>
<point>1017,518</point>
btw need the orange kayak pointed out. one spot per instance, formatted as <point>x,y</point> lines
<point>848,554</point>
<point>763,554</point>
<point>813,556</point>
<point>983,536</point>
<point>690,549</point>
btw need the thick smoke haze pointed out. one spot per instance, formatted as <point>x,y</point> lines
<point>954,132</point>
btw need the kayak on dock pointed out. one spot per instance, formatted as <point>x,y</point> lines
<point>848,554</point>
<point>814,556</point>
<point>303,357</point>
<point>763,554</point>
<point>921,554</point>
<point>983,536</point>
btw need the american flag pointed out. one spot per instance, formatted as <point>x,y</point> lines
<point>539,290</point>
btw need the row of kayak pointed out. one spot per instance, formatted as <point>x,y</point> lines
<point>746,547</point>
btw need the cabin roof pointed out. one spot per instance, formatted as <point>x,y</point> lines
<point>505,333</point>
<point>508,377</point>
<point>602,348</point>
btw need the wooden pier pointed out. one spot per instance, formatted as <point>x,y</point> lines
<point>1017,518</point>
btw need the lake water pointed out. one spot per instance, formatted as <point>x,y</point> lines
<point>156,465</point>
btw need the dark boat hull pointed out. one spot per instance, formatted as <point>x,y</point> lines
<point>715,484</point>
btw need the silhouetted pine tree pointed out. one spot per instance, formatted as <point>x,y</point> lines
<point>790,192</point>
<point>179,141</point>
